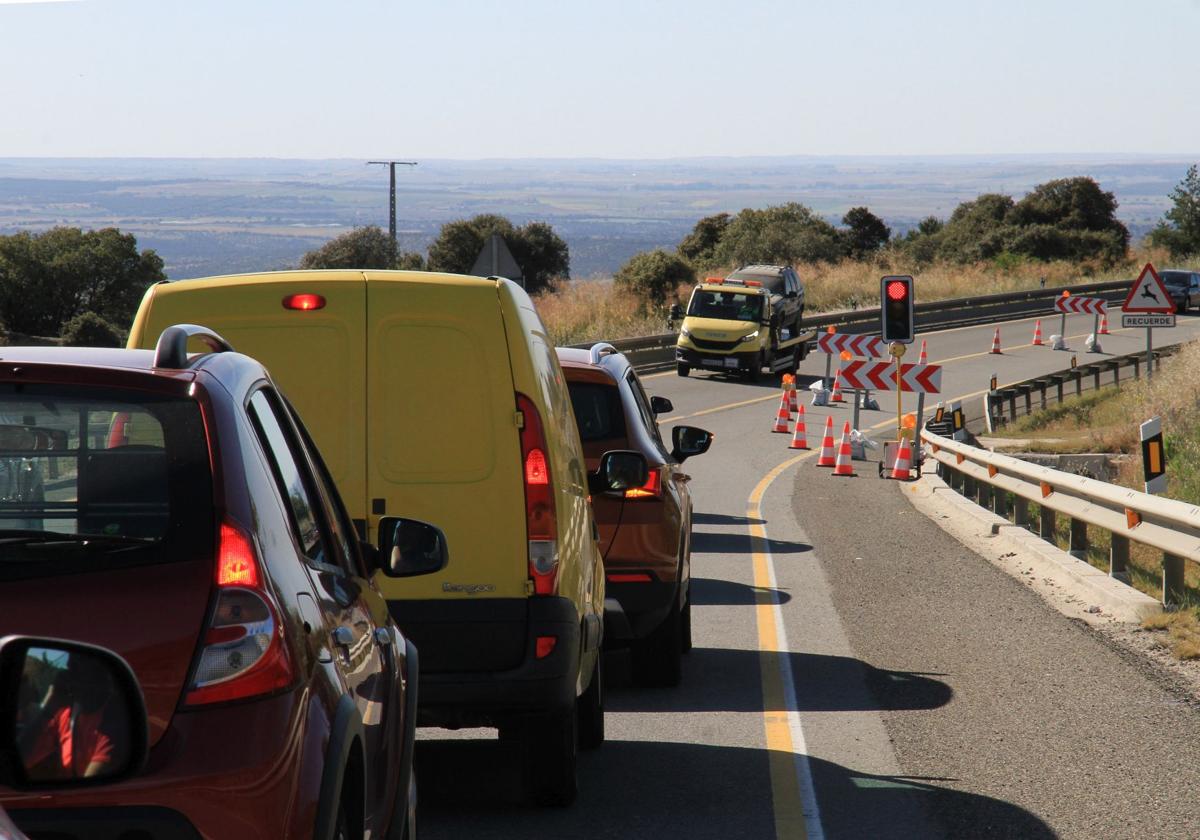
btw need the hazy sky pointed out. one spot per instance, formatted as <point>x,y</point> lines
<point>619,78</point>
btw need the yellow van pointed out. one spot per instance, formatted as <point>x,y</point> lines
<point>439,397</point>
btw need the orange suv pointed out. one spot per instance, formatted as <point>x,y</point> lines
<point>645,532</point>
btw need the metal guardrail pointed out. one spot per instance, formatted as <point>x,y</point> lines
<point>1168,525</point>
<point>653,351</point>
<point>1018,399</point>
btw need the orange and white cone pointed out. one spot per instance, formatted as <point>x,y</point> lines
<point>903,464</point>
<point>782,417</point>
<point>827,457</point>
<point>800,438</point>
<point>923,359</point>
<point>836,396</point>
<point>996,341</point>
<point>793,400</point>
<point>1037,333</point>
<point>1103,324</point>
<point>842,465</point>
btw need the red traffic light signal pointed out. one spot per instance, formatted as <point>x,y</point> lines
<point>896,309</point>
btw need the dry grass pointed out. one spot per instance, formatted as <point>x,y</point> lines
<point>580,311</point>
<point>1180,632</point>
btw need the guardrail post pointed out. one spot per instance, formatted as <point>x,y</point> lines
<point>1137,368</point>
<point>1096,378</point>
<point>1021,511</point>
<point>1012,406</point>
<point>983,494</point>
<point>1172,580</point>
<point>1028,391</point>
<point>1079,383</point>
<point>1079,539</point>
<point>1118,558</point>
<point>1042,388</point>
<point>1117,374</point>
<point>968,486</point>
<point>1058,381</point>
<point>1047,524</point>
<point>1000,501</point>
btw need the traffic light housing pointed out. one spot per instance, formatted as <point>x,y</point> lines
<point>896,309</point>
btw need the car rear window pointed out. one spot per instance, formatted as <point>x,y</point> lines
<point>597,411</point>
<point>1175,278</point>
<point>773,282</point>
<point>93,478</point>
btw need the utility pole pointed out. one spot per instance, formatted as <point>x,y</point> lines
<point>391,165</point>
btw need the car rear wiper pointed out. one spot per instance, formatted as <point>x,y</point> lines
<point>13,536</point>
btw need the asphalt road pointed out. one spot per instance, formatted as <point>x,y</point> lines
<point>856,672</point>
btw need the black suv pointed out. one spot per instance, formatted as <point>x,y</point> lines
<point>172,507</point>
<point>787,294</point>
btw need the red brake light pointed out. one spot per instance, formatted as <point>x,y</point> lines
<point>897,290</point>
<point>236,564</point>
<point>541,522</point>
<point>304,302</point>
<point>652,489</point>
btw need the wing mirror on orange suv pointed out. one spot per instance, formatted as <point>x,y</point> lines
<point>661,405</point>
<point>689,441</point>
<point>620,469</point>
<point>70,714</point>
<point>408,548</point>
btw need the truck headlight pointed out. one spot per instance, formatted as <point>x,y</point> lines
<point>684,332</point>
<point>748,338</point>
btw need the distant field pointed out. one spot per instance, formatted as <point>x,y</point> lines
<point>212,216</point>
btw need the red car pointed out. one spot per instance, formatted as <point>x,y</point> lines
<point>173,509</point>
<point>645,532</point>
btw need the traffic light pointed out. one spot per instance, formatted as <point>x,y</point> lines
<point>896,309</point>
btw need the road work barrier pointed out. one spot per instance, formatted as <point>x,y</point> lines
<point>1167,525</point>
<point>1005,404</point>
<point>653,352</point>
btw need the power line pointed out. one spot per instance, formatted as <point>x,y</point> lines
<point>391,165</point>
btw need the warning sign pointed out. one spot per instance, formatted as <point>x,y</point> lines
<point>1149,294</point>
<point>1154,461</point>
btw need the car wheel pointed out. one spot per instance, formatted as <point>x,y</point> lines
<point>682,369</point>
<point>1187,303</point>
<point>658,658</point>
<point>685,635</point>
<point>755,373</point>
<point>341,830</point>
<point>591,711</point>
<point>551,753</point>
<point>404,821</point>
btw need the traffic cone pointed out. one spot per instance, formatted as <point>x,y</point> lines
<point>826,458</point>
<point>800,438</point>
<point>1037,334</point>
<point>996,341</point>
<point>793,400</point>
<point>782,418</point>
<point>923,359</point>
<point>903,461</point>
<point>1103,324</point>
<point>837,388</point>
<point>843,466</point>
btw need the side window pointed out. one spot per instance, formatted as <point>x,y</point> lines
<point>339,520</point>
<point>643,407</point>
<point>294,482</point>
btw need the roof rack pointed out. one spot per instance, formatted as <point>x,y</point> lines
<point>171,349</point>
<point>600,350</point>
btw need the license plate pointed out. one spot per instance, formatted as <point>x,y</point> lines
<point>731,363</point>
<point>711,362</point>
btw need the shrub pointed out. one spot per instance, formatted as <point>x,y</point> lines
<point>90,330</point>
<point>653,276</point>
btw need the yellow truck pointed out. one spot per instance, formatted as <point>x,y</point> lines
<point>738,325</point>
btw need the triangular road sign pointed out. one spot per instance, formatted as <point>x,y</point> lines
<point>1148,294</point>
<point>495,260</point>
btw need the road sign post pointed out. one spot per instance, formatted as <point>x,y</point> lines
<point>1148,305</point>
<point>897,350</point>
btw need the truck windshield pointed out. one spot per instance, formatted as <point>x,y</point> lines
<point>726,306</point>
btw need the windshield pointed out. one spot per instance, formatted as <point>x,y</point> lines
<point>1175,278</point>
<point>726,306</point>
<point>87,474</point>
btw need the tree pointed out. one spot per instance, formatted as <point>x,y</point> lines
<point>88,329</point>
<point>540,252</point>
<point>785,233</point>
<point>48,278</point>
<point>364,247</point>
<point>1179,231</point>
<point>700,246</point>
<point>865,232</point>
<point>653,276</point>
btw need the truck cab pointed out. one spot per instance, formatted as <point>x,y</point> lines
<point>737,325</point>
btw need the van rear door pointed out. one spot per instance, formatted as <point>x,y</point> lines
<point>442,435</point>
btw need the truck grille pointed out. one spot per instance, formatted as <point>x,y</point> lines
<point>706,344</point>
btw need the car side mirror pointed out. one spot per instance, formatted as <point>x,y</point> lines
<point>620,469</point>
<point>688,441</point>
<point>676,312</point>
<point>408,547</point>
<point>54,692</point>
<point>661,405</point>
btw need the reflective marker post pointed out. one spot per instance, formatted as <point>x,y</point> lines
<point>1154,470</point>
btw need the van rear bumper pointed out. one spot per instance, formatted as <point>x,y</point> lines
<point>484,669</point>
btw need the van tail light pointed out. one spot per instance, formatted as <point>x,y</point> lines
<point>541,522</point>
<point>652,489</point>
<point>243,653</point>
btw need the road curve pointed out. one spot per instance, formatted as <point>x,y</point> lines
<point>856,672</point>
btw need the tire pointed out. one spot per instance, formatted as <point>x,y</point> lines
<point>551,755</point>
<point>685,635</point>
<point>590,711</point>
<point>404,824</point>
<point>1187,304</point>
<point>341,829</point>
<point>682,369</point>
<point>755,373</point>
<point>658,658</point>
